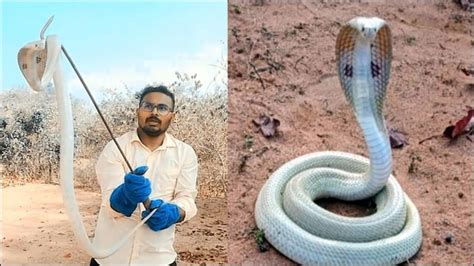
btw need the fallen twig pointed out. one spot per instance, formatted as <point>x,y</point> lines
<point>258,75</point>
<point>297,61</point>
<point>428,138</point>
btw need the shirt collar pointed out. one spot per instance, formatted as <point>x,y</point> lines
<point>168,142</point>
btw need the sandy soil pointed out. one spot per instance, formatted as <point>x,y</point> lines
<point>282,64</point>
<point>36,229</point>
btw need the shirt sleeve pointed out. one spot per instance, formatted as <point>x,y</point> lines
<point>186,191</point>
<point>110,174</point>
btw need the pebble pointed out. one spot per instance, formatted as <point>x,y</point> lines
<point>460,195</point>
<point>449,238</point>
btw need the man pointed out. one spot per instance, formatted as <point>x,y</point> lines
<point>165,171</point>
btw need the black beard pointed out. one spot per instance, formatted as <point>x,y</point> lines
<point>152,132</point>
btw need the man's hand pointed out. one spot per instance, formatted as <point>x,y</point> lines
<point>135,189</point>
<point>166,215</point>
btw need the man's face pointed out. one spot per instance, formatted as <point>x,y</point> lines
<point>150,114</point>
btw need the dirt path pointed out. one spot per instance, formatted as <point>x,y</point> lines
<point>36,228</point>
<point>282,64</point>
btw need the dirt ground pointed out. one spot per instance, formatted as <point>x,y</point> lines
<point>36,229</point>
<point>282,64</point>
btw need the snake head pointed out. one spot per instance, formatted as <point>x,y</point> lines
<point>38,61</point>
<point>367,27</point>
<point>32,63</point>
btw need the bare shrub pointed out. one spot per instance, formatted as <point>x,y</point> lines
<point>29,141</point>
<point>201,121</point>
<point>29,133</point>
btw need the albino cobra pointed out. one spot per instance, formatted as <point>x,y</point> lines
<point>309,234</point>
<point>40,62</point>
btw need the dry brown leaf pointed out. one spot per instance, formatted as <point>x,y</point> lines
<point>267,125</point>
<point>466,124</point>
<point>397,139</point>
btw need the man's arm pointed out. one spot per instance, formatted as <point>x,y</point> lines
<point>186,190</point>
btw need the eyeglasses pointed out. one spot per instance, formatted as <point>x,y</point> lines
<point>163,109</point>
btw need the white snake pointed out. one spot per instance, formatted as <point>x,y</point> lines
<point>309,234</point>
<point>40,61</point>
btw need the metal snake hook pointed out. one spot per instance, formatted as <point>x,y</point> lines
<point>45,27</point>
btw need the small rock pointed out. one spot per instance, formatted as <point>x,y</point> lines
<point>460,195</point>
<point>449,239</point>
<point>397,139</point>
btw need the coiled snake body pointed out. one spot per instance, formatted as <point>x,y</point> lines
<point>309,234</point>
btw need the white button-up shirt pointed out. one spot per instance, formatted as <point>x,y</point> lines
<point>172,171</point>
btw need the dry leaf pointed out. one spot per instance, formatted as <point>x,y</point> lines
<point>267,125</point>
<point>466,124</point>
<point>464,4</point>
<point>467,70</point>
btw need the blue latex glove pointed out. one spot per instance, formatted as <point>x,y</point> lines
<point>166,215</point>
<point>135,189</point>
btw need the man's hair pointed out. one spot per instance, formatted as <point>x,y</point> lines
<point>163,89</point>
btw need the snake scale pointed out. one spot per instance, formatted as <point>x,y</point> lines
<point>285,208</point>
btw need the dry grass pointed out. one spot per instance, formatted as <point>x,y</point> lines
<point>29,133</point>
